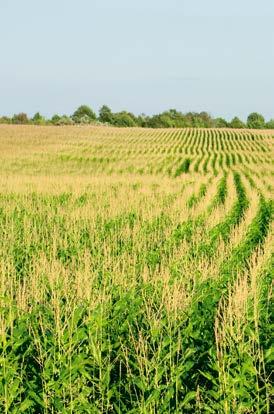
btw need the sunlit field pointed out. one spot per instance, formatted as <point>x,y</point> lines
<point>136,269</point>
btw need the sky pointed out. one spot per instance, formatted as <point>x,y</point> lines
<point>144,56</point>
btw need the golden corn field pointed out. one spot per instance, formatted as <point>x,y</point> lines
<point>136,269</point>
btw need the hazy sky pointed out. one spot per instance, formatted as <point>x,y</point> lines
<point>140,55</point>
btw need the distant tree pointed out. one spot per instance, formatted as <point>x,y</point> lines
<point>255,121</point>
<point>55,119</point>
<point>5,120</point>
<point>142,120</point>
<point>165,120</point>
<point>178,119</point>
<point>65,120</point>
<point>237,123</point>
<point>168,119</point>
<point>20,118</point>
<point>220,123</point>
<point>85,119</point>
<point>105,115</point>
<point>83,110</point>
<point>270,124</point>
<point>124,119</point>
<point>206,120</point>
<point>38,119</point>
<point>199,120</point>
<point>160,121</point>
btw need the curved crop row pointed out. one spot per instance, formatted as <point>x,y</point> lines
<point>199,326</point>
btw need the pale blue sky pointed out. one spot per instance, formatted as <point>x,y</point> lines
<point>142,55</point>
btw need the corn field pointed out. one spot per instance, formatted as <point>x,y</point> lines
<point>136,270</point>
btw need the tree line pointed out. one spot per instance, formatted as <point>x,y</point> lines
<point>167,119</point>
